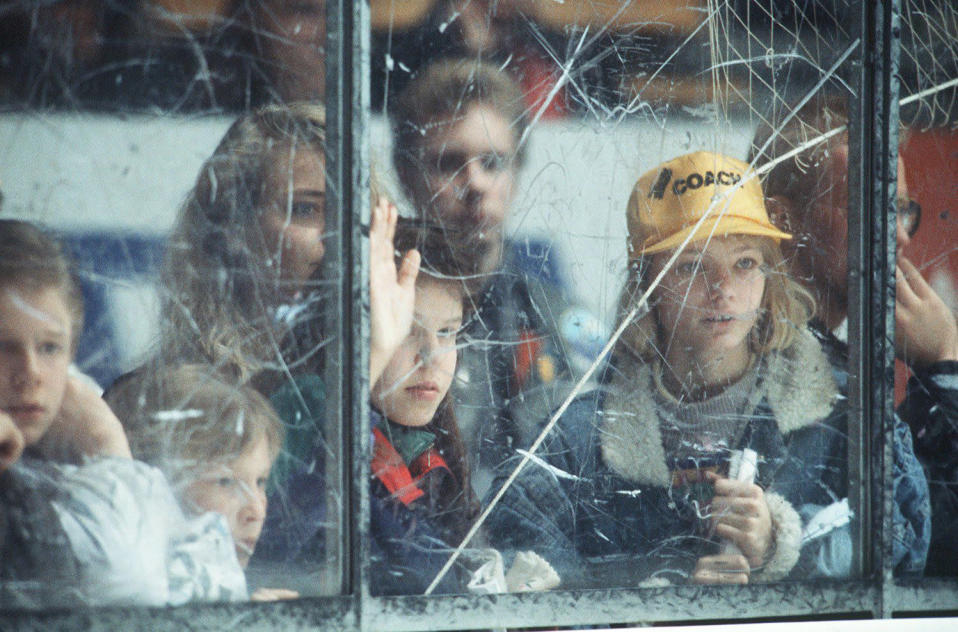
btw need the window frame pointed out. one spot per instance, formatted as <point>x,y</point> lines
<point>873,135</point>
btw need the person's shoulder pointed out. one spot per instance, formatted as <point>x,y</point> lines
<point>803,385</point>
<point>591,401</point>
<point>580,419</point>
<point>116,481</point>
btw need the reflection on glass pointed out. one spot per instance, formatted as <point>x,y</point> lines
<point>457,154</point>
<point>207,326</point>
<point>215,442</point>
<point>420,494</point>
<point>718,433</point>
<point>246,295</point>
<point>708,443</point>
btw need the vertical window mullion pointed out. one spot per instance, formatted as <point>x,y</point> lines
<point>860,447</point>
<point>347,162</point>
<point>886,185</point>
<point>873,136</point>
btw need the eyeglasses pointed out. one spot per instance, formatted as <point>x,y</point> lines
<point>909,214</point>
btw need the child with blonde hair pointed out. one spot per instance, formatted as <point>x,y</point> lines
<point>215,442</point>
<point>720,429</point>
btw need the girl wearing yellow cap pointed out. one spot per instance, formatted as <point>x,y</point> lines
<point>725,324</point>
<point>719,431</point>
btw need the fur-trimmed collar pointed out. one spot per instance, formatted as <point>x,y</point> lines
<point>798,385</point>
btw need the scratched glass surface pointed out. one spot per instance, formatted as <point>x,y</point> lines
<point>649,389</point>
<point>584,399</point>
<point>177,150</point>
<point>926,340</point>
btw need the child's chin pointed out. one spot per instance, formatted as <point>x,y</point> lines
<point>415,421</point>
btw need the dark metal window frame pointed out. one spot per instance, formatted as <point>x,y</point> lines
<point>873,135</point>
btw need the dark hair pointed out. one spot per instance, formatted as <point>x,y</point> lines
<point>34,257</point>
<point>447,252</point>
<point>448,259</point>
<point>220,286</point>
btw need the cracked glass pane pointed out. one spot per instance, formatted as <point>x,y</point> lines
<point>608,303</point>
<point>651,397</point>
<point>164,180</point>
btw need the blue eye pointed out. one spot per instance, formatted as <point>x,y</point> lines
<point>225,482</point>
<point>491,161</point>
<point>746,263</point>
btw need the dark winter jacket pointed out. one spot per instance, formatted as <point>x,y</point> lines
<point>599,502</point>
<point>931,410</point>
<point>523,346</point>
<point>408,544</point>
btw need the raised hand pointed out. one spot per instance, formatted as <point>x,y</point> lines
<point>391,293</point>
<point>925,329</point>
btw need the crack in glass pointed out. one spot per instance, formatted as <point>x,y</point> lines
<point>631,226</point>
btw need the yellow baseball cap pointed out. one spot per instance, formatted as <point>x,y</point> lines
<point>667,202</point>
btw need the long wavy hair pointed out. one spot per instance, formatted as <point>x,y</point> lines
<point>786,308</point>
<point>222,288</point>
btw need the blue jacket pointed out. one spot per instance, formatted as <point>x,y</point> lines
<point>599,505</point>
<point>525,343</point>
<point>407,545</point>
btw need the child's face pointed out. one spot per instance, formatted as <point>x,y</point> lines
<point>35,354</point>
<point>711,297</point>
<point>419,374</point>
<point>236,490</point>
<point>294,220</point>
